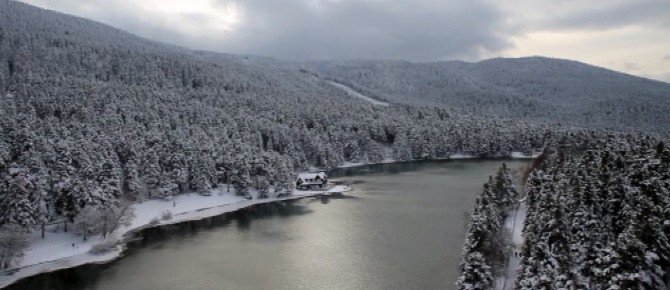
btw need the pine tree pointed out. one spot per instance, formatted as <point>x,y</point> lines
<point>630,274</point>
<point>151,173</point>
<point>504,188</point>
<point>240,178</point>
<point>401,148</point>
<point>200,175</point>
<point>22,201</point>
<point>263,187</point>
<point>131,182</point>
<point>477,274</point>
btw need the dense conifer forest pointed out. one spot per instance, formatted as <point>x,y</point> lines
<point>90,115</point>
<point>598,217</point>
<point>93,118</point>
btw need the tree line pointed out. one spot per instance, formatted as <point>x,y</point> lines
<point>485,246</point>
<point>598,217</point>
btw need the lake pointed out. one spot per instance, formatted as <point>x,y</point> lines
<point>401,228</point>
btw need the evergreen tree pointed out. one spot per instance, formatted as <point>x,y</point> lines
<point>240,178</point>
<point>477,275</point>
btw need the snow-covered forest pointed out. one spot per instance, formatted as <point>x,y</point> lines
<point>90,115</point>
<point>485,249</point>
<point>598,217</point>
<point>92,118</point>
<point>533,88</point>
<point>600,220</point>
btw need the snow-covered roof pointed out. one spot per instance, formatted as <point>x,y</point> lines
<point>305,176</point>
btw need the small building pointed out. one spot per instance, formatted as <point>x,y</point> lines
<point>311,180</point>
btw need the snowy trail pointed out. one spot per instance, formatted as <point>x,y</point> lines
<point>354,93</point>
<point>56,251</point>
<point>513,223</point>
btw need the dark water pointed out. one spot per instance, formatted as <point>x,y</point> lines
<point>401,228</point>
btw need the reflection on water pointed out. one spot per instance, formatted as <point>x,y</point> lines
<point>401,228</point>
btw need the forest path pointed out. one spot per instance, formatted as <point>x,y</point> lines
<point>354,93</point>
<point>514,224</point>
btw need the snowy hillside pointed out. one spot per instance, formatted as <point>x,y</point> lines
<point>354,93</point>
<point>91,115</point>
<point>93,118</point>
<point>534,88</point>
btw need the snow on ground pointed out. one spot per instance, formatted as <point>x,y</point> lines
<point>460,156</point>
<point>354,93</point>
<point>457,156</point>
<point>356,164</point>
<point>388,158</point>
<point>514,224</point>
<point>520,155</point>
<point>513,155</point>
<point>56,251</point>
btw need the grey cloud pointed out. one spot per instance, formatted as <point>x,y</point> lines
<point>611,15</point>
<point>419,30</point>
<point>413,30</point>
<point>111,13</point>
<point>665,77</point>
<point>631,66</point>
<point>661,76</point>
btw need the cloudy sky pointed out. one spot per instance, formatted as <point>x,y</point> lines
<point>632,36</point>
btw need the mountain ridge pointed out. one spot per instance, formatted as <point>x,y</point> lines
<point>536,88</point>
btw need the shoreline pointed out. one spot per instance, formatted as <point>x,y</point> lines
<point>121,237</point>
<point>515,155</point>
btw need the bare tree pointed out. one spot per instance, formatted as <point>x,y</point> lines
<point>104,220</point>
<point>89,221</point>
<point>13,241</point>
<point>115,216</point>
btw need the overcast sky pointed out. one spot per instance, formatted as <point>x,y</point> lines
<point>632,36</point>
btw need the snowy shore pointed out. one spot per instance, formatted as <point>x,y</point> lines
<point>458,156</point>
<point>56,251</point>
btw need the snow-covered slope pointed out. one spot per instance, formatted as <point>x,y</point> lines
<point>90,115</point>
<point>537,88</point>
<point>356,94</point>
<point>533,88</point>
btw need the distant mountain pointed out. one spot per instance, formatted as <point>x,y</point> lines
<point>90,114</point>
<point>533,88</point>
<point>545,89</point>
